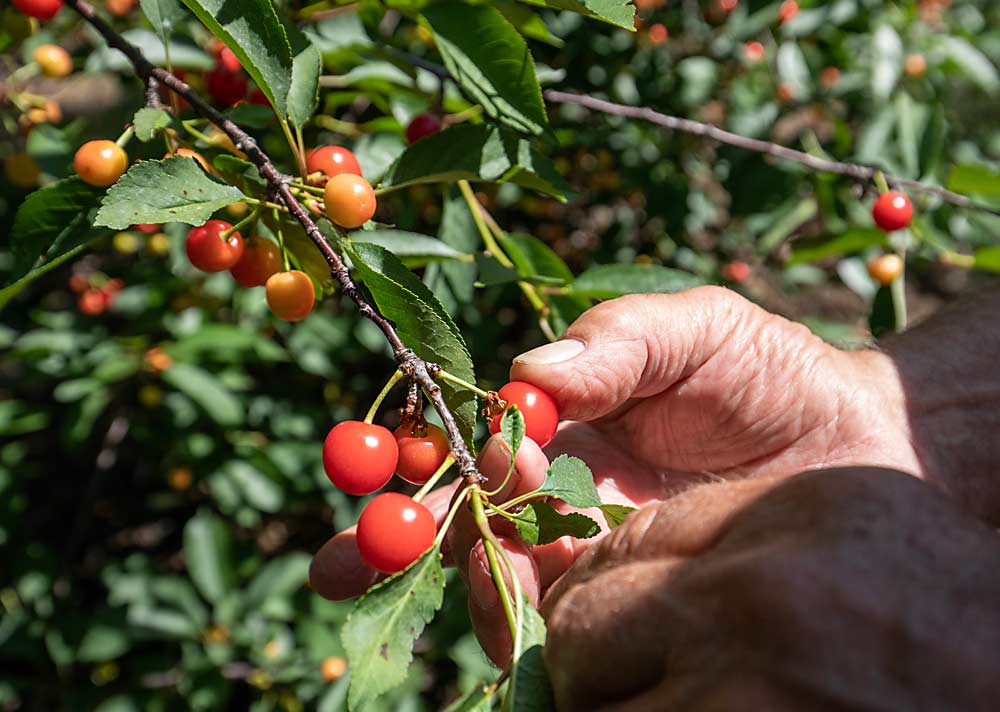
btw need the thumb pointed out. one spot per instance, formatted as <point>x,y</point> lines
<point>631,347</point>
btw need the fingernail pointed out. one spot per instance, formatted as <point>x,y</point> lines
<point>556,352</point>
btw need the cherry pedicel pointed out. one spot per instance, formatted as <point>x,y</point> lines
<point>541,417</point>
<point>359,458</point>
<point>394,531</point>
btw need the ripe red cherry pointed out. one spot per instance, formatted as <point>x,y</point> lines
<point>736,271</point>
<point>788,10</point>
<point>224,57</point>
<point>359,458</point>
<point>394,531</point>
<point>753,51</point>
<point>208,251</point>
<point>892,211</point>
<point>537,407</point>
<point>290,295</point>
<point>261,258</point>
<point>93,301</point>
<point>332,161</point>
<point>42,9</point>
<point>421,451</point>
<point>224,86</point>
<point>422,125</point>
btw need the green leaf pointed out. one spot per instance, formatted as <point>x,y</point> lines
<point>854,239</point>
<point>529,689</point>
<point>610,281</point>
<point>532,257</point>
<point>478,700</point>
<point>973,179</point>
<point>208,553</point>
<point>175,189</point>
<point>280,577</point>
<point>887,61</point>
<point>253,31</point>
<point>376,152</point>
<point>973,63</point>
<point>988,258</point>
<point>882,319</point>
<point>491,272</point>
<point>512,429</point>
<point>615,514</point>
<point>540,523</point>
<point>379,634</point>
<point>453,282</point>
<point>477,153</point>
<point>163,15</point>
<point>50,222</point>
<point>570,480</point>
<point>307,65</point>
<point>490,61</point>
<point>149,122</point>
<point>165,622</point>
<point>414,249</point>
<point>250,116</point>
<point>615,12</point>
<point>207,391</point>
<point>103,641</point>
<point>792,68</point>
<point>422,323</point>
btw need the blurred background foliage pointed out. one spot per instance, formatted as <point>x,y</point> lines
<point>161,489</point>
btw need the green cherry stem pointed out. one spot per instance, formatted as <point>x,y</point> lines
<point>126,136</point>
<point>307,188</point>
<point>880,182</point>
<point>281,241</point>
<point>897,288</point>
<point>254,214</point>
<point>396,377</point>
<point>493,553</point>
<point>518,500</point>
<point>464,384</point>
<point>429,484</point>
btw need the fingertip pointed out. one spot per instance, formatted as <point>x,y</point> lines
<point>530,466</point>
<point>337,571</point>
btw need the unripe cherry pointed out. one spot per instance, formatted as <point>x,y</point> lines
<point>290,295</point>
<point>350,200</point>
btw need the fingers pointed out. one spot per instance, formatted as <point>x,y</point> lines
<point>634,346</point>
<point>337,571</point>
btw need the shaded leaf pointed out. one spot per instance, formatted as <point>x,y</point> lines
<point>529,688</point>
<point>207,391</point>
<point>882,319</point>
<point>615,514</point>
<point>854,239</point>
<point>616,12</point>
<point>208,554</point>
<point>609,281</point>
<point>163,15</point>
<point>540,523</point>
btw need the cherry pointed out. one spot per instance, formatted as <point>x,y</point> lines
<point>79,283</point>
<point>359,458</point>
<point>333,668</point>
<point>290,295</point>
<point>147,228</point>
<point>422,450</point>
<point>332,161</point>
<point>537,407</point>
<point>100,163</point>
<point>119,8</point>
<point>350,200</point>
<point>224,86</point>
<point>915,65</point>
<point>41,9</point>
<point>261,258</point>
<point>753,51</point>
<point>422,125</point>
<point>224,57</point>
<point>829,77</point>
<point>786,92</point>
<point>208,251</point>
<point>884,269</point>
<point>22,171</point>
<point>54,61</point>
<point>788,10</point>
<point>658,34</point>
<point>736,271</point>
<point>394,531</point>
<point>892,211</point>
<point>92,301</point>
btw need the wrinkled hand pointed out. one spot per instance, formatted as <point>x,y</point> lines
<point>666,391</point>
<point>851,589</point>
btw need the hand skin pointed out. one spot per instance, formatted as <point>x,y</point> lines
<point>668,392</point>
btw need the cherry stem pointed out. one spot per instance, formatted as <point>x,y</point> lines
<point>396,378</point>
<point>518,500</point>
<point>493,549</point>
<point>126,136</point>
<point>880,182</point>
<point>429,484</point>
<point>307,188</point>
<point>227,233</point>
<point>463,383</point>
<point>897,288</point>
<point>281,240</point>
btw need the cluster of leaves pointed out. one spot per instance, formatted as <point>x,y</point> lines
<point>135,592</point>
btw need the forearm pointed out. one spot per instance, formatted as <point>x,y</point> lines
<point>948,373</point>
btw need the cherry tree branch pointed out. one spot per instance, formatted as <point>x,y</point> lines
<point>697,128</point>
<point>412,365</point>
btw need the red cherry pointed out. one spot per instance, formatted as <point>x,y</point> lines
<point>224,57</point>
<point>260,98</point>
<point>892,211</point>
<point>224,86</point>
<point>260,259</point>
<point>537,407</point>
<point>394,531</point>
<point>332,161</point>
<point>753,51</point>
<point>42,9</point>
<point>788,10</point>
<point>420,453</point>
<point>736,271</point>
<point>92,301</point>
<point>79,283</point>
<point>147,228</point>
<point>422,125</point>
<point>208,251</point>
<point>359,458</point>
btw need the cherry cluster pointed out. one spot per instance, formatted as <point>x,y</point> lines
<point>95,292</point>
<point>361,457</point>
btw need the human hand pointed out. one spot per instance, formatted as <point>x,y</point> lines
<point>837,590</point>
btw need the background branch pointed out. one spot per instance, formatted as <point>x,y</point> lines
<point>411,364</point>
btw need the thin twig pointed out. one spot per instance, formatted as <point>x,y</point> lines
<point>697,128</point>
<point>411,364</point>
